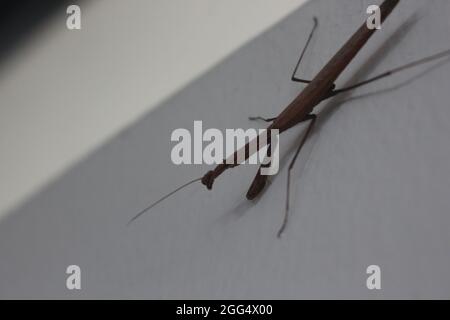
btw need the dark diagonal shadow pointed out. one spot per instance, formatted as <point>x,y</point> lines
<point>371,63</point>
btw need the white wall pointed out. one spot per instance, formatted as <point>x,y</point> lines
<point>64,92</point>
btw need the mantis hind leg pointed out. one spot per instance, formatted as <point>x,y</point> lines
<point>440,55</point>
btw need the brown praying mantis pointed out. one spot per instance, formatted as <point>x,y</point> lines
<point>300,110</point>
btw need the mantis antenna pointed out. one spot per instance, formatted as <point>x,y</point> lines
<point>162,199</point>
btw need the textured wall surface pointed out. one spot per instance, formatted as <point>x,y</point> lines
<point>65,92</point>
<point>371,186</point>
